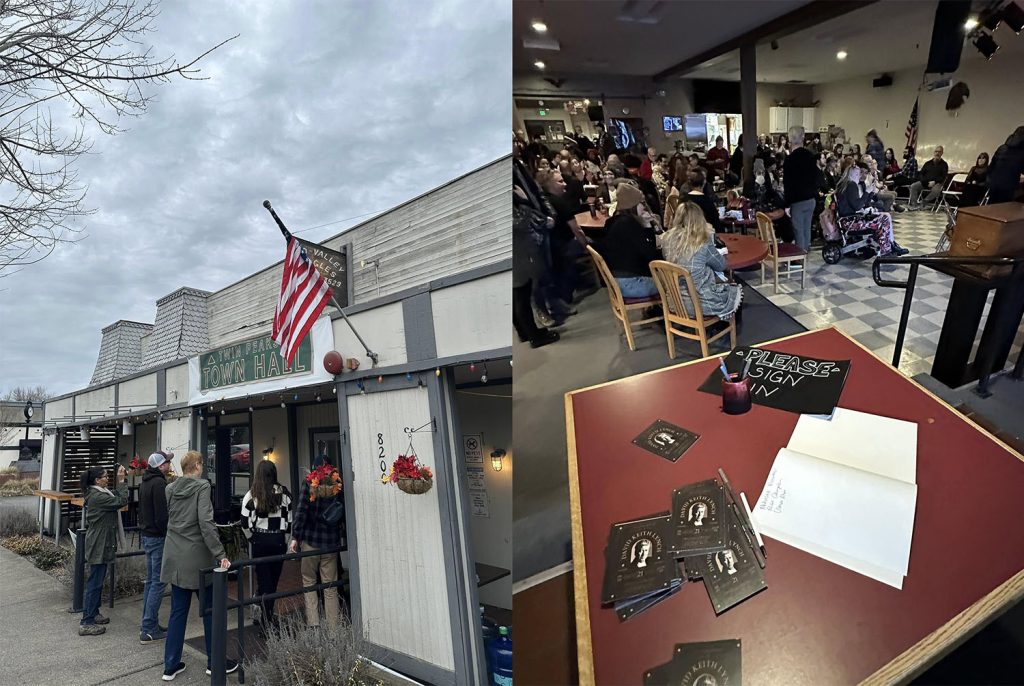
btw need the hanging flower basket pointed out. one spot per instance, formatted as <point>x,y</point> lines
<point>414,486</point>
<point>137,466</point>
<point>409,475</point>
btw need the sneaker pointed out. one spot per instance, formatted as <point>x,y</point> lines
<point>232,665</point>
<point>91,630</point>
<point>100,619</point>
<point>169,674</point>
<point>162,628</point>
<point>146,637</point>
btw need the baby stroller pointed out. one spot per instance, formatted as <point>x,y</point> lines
<point>839,242</point>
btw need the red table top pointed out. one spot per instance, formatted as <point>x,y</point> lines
<point>744,251</point>
<point>817,623</point>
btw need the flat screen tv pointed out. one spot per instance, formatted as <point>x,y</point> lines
<point>672,123</point>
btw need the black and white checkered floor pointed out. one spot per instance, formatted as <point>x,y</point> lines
<point>845,295</point>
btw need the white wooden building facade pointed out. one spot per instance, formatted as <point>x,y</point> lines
<point>431,292</point>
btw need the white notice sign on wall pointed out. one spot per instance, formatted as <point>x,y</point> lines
<point>475,478</point>
<point>478,503</point>
<point>473,448</point>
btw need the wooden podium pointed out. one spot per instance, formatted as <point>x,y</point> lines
<point>985,231</point>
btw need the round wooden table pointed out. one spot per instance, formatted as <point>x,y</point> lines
<point>587,222</point>
<point>744,251</point>
<point>741,224</point>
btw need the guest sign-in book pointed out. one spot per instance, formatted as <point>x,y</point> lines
<point>845,490</point>
<point>793,383</point>
<point>638,561</point>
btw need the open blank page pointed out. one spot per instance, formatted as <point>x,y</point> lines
<point>854,518</point>
<point>882,445</point>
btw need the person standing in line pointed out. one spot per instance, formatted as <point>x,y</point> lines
<point>192,544</point>
<point>153,530</point>
<point>1006,168</point>
<point>801,190</point>
<point>266,522</point>
<point>312,532</point>
<point>103,529</point>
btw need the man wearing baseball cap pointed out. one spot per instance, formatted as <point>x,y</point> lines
<point>153,527</point>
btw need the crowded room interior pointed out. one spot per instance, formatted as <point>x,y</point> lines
<point>696,177</point>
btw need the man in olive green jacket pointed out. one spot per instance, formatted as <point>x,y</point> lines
<point>192,544</point>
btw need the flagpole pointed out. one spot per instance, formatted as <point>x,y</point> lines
<point>288,236</point>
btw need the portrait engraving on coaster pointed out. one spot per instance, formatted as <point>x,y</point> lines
<point>666,440</point>
<point>697,518</point>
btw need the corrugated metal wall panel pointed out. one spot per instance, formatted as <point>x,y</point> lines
<point>459,227</point>
<point>398,535</point>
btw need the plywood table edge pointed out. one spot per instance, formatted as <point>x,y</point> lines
<point>913,661</point>
<point>584,646</point>
<point>950,635</point>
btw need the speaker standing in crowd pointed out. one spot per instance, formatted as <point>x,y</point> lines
<point>153,530</point>
<point>801,189</point>
<point>103,530</point>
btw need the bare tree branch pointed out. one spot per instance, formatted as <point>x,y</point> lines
<point>93,56</point>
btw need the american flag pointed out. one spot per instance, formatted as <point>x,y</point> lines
<point>912,127</point>
<point>304,293</point>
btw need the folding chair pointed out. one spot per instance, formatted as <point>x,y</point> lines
<point>947,193</point>
<point>670,277</point>
<point>621,307</point>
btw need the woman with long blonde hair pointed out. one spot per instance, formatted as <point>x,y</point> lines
<point>690,243</point>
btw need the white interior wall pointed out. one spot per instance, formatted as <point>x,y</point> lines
<point>482,411</point>
<point>270,428</point>
<point>994,109</point>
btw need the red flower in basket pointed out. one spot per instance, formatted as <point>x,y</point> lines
<point>324,482</point>
<point>409,475</point>
<point>138,465</point>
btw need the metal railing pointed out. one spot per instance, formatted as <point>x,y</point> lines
<point>220,605</point>
<point>1016,263</point>
<point>78,587</point>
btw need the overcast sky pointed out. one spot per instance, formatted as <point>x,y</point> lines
<point>330,109</point>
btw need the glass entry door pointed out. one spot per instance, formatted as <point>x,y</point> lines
<point>229,466</point>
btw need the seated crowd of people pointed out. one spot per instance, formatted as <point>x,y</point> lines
<point>662,206</point>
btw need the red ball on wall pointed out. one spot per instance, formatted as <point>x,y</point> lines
<point>334,362</point>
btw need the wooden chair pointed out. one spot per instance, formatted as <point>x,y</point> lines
<point>671,205</point>
<point>669,278</point>
<point>779,253</point>
<point>621,307</point>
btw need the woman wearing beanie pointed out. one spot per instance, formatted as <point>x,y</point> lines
<point>629,244</point>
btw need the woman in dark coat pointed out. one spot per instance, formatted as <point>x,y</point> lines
<point>102,517</point>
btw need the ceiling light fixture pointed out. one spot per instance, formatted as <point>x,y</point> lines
<point>986,45</point>
<point>539,27</point>
<point>539,64</point>
<point>841,55</point>
<point>971,23</point>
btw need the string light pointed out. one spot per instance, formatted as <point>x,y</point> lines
<point>483,377</point>
<point>362,388</point>
<point>472,366</point>
<point>318,397</point>
<point>223,411</point>
<point>437,372</point>
<point>408,376</point>
<point>250,408</point>
<point>334,390</point>
<point>380,379</point>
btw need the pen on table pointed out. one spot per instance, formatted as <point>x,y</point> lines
<point>744,521</point>
<point>725,372</point>
<point>750,516</point>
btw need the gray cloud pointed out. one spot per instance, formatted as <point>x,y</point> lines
<point>330,109</point>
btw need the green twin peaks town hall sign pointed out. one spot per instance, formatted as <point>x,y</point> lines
<point>258,359</point>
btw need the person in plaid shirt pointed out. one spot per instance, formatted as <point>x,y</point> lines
<point>311,532</point>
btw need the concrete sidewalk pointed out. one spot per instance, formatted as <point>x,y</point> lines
<point>40,645</point>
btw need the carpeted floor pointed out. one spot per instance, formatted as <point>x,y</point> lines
<point>592,350</point>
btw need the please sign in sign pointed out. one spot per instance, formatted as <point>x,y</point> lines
<point>258,359</point>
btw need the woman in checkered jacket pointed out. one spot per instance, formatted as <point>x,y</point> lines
<point>267,521</point>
